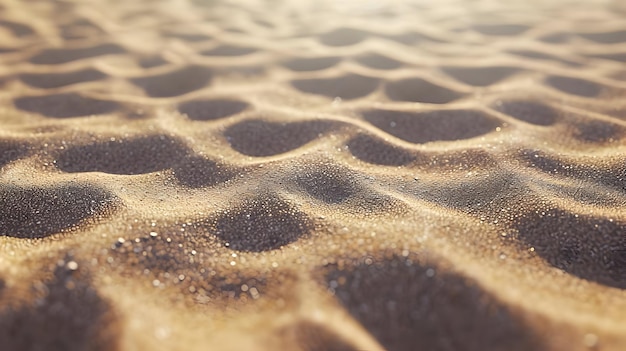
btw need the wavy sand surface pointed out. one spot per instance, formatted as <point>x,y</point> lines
<point>312,175</point>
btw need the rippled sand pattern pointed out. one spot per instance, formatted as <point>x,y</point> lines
<point>312,175</point>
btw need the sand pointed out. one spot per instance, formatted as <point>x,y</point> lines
<point>312,175</point>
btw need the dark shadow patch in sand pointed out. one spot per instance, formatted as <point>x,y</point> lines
<point>152,61</point>
<point>311,336</point>
<point>259,138</point>
<point>588,247</point>
<point>336,186</point>
<point>327,184</point>
<point>56,80</point>
<point>586,195</point>
<point>209,4</point>
<point>501,29</point>
<point>348,87</point>
<point>81,28</point>
<point>193,37</point>
<point>11,151</point>
<point>198,172</point>
<point>65,105</point>
<point>612,37</point>
<point>69,316</point>
<point>311,64</point>
<point>480,76</point>
<point>377,61</point>
<point>343,37</point>
<point>423,127</point>
<point>556,38</point>
<point>18,29</point>
<point>58,56</point>
<point>420,90</point>
<point>262,224</point>
<point>123,156</point>
<point>480,194</point>
<point>374,150</point>
<point>412,38</point>
<point>190,37</point>
<point>597,131</point>
<point>618,57</point>
<point>407,305</point>
<point>612,175</point>
<point>40,212</point>
<point>528,111</point>
<point>208,110</point>
<point>229,50</point>
<point>241,71</point>
<point>574,86</point>
<point>175,83</point>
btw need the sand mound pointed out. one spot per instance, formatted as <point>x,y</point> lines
<point>312,175</point>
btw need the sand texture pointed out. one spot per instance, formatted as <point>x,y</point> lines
<point>312,175</point>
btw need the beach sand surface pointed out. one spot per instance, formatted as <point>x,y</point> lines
<point>312,175</point>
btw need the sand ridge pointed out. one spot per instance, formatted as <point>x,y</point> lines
<point>312,175</point>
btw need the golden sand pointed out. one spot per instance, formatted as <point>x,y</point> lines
<point>312,175</point>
